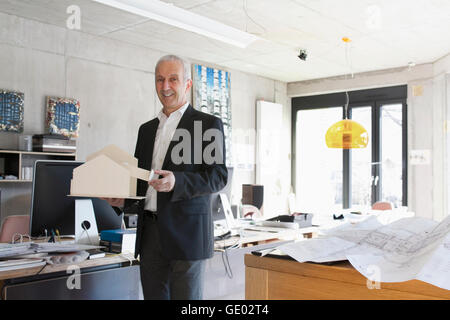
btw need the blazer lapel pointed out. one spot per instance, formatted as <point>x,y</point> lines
<point>185,123</point>
<point>151,138</point>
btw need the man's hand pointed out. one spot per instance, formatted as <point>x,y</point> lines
<point>164,184</point>
<point>115,202</point>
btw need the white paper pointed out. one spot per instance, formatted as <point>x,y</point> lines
<point>13,250</point>
<point>17,264</point>
<point>437,269</point>
<point>128,242</point>
<point>317,250</point>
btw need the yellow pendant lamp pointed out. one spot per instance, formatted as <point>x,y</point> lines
<point>346,134</point>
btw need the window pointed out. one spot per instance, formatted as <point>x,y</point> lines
<point>327,179</point>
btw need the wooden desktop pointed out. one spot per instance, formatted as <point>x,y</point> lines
<point>284,279</point>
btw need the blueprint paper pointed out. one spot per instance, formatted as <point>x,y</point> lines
<point>437,269</point>
<point>339,242</point>
<point>399,250</point>
<point>318,250</point>
<point>406,249</point>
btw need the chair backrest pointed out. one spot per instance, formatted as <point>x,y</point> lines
<point>382,205</point>
<point>14,224</point>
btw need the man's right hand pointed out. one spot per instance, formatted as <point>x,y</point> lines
<point>115,202</point>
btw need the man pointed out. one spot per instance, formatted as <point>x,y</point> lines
<point>175,230</point>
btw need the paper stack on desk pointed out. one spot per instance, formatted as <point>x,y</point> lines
<point>17,264</point>
<point>8,250</point>
<point>26,248</point>
<point>406,249</point>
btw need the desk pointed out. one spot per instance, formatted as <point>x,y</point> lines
<point>276,278</point>
<point>111,277</point>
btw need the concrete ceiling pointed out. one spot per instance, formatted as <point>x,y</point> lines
<point>384,33</point>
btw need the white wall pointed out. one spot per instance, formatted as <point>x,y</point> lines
<point>447,156</point>
<point>441,78</point>
<point>114,82</point>
<point>427,115</point>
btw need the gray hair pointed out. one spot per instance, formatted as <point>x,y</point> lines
<point>185,63</point>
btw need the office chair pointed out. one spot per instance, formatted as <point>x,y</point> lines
<point>382,205</point>
<point>16,224</point>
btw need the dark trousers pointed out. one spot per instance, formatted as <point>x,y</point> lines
<point>165,279</point>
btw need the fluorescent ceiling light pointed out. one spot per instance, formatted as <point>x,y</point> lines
<point>172,15</point>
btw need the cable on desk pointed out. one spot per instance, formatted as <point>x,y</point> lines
<point>226,264</point>
<point>87,234</point>
<point>126,257</point>
<point>41,269</point>
<point>21,236</point>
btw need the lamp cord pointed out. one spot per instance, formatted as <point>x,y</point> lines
<point>346,106</point>
<point>349,63</point>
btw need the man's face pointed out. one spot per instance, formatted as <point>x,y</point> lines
<point>170,86</point>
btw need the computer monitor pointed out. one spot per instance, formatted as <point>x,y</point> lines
<point>52,208</point>
<point>218,212</point>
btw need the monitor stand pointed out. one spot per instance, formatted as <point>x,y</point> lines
<point>86,231</point>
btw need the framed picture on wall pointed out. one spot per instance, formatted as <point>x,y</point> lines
<point>63,116</point>
<point>211,94</point>
<point>11,111</point>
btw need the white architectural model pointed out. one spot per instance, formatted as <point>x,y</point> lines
<point>109,173</point>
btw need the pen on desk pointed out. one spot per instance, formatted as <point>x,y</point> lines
<point>52,237</point>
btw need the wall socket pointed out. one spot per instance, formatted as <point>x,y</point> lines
<point>420,157</point>
<point>417,91</point>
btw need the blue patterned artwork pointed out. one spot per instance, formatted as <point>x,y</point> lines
<point>11,111</point>
<point>63,116</point>
<point>211,89</point>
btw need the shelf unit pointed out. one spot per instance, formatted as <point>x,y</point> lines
<point>12,162</point>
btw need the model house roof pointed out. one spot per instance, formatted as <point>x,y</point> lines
<point>123,159</point>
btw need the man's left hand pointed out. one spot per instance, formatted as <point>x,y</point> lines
<point>165,183</point>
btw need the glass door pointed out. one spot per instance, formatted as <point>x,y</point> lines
<point>318,168</point>
<point>361,164</point>
<point>391,153</point>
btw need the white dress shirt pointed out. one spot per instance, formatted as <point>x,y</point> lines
<point>164,134</point>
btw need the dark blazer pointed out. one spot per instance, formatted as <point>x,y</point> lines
<point>184,214</point>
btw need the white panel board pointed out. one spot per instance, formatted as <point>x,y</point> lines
<point>268,155</point>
